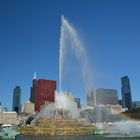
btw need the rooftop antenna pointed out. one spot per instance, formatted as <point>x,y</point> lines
<point>34,75</point>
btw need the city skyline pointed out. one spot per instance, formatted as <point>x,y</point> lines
<point>29,42</point>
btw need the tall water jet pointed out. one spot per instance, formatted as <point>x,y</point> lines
<point>65,105</point>
<point>70,38</point>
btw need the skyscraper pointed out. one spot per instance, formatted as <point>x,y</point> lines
<point>45,91</point>
<point>90,99</point>
<point>17,99</point>
<point>126,92</point>
<point>33,89</point>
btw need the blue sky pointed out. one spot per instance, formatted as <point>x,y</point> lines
<point>29,42</point>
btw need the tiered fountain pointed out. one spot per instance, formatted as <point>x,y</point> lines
<point>62,116</point>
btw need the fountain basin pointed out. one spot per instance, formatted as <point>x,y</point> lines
<point>8,132</point>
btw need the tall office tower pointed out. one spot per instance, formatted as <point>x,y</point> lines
<point>17,99</point>
<point>90,99</point>
<point>45,92</point>
<point>106,96</point>
<point>126,92</point>
<point>33,89</point>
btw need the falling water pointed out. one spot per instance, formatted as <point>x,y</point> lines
<point>69,35</point>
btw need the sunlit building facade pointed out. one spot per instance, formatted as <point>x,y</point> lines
<point>8,118</point>
<point>29,107</point>
<point>106,96</point>
<point>45,92</point>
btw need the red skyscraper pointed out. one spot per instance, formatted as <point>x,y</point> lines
<point>45,91</point>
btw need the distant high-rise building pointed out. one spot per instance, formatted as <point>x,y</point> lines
<point>136,104</point>
<point>3,109</point>
<point>17,99</point>
<point>8,118</point>
<point>126,92</point>
<point>120,102</point>
<point>106,96</point>
<point>33,90</point>
<point>29,107</point>
<point>77,101</point>
<point>45,91</point>
<point>90,99</point>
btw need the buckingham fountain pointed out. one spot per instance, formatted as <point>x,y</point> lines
<point>63,117</point>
